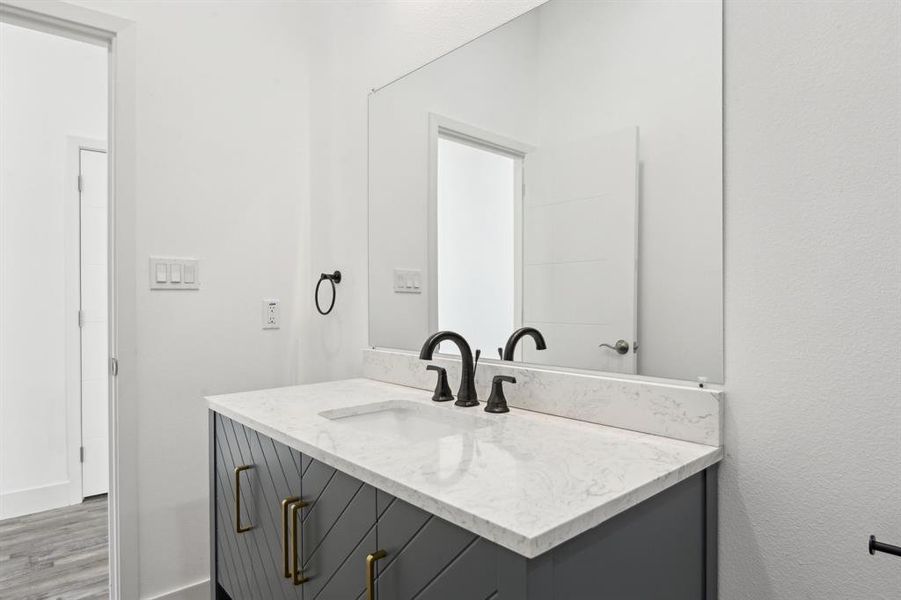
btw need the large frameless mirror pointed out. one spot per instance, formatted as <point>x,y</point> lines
<point>562,172</point>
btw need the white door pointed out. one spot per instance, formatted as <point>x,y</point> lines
<point>93,320</point>
<point>580,219</point>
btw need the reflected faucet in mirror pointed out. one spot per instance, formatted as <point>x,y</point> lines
<point>510,346</point>
<point>467,395</point>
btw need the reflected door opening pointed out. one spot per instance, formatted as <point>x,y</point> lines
<point>476,243</point>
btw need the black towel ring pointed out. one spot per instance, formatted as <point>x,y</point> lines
<point>333,279</point>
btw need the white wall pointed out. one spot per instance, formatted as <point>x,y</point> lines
<point>50,88</point>
<point>813,300</point>
<point>222,149</point>
<point>813,323</point>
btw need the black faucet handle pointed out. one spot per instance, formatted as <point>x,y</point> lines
<point>497,402</point>
<point>442,389</point>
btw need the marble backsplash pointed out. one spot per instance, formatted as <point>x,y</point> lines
<point>682,412</point>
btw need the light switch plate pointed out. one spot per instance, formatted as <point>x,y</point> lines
<point>271,316</point>
<point>174,273</point>
<point>407,281</point>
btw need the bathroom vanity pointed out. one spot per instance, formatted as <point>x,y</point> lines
<point>364,489</point>
<point>555,184</point>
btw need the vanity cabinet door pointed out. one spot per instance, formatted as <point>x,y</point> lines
<point>338,533</point>
<point>251,564</point>
<point>430,559</point>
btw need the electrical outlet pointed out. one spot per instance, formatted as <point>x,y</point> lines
<point>270,314</point>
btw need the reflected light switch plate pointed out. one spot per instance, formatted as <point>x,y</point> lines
<point>407,281</point>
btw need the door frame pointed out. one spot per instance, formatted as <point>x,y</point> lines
<point>74,441</point>
<point>119,36</point>
<point>441,126</point>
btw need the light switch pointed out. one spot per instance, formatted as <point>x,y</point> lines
<point>169,273</point>
<point>407,281</point>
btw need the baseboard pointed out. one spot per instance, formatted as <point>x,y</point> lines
<point>33,500</point>
<point>199,590</point>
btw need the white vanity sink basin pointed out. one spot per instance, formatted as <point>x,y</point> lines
<point>410,421</point>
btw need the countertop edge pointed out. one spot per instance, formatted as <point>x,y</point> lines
<point>529,547</point>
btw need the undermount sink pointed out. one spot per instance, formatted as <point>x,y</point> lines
<point>410,421</point>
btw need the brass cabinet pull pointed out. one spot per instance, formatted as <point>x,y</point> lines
<point>285,544</point>
<point>238,527</point>
<point>296,542</point>
<point>370,572</point>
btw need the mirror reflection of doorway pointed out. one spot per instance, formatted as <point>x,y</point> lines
<point>477,259</point>
<point>545,237</point>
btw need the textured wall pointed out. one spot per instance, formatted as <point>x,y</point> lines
<point>813,300</point>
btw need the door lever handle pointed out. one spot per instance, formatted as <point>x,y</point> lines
<point>620,347</point>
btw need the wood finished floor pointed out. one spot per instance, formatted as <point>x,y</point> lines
<point>57,554</point>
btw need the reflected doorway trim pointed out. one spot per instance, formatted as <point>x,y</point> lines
<point>444,127</point>
<point>119,36</point>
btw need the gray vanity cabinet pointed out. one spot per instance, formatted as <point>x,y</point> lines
<point>661,549</point>
<point>250,560</point>
<point>430,559</point>
<point>338,532</point>
<point>252,556</point>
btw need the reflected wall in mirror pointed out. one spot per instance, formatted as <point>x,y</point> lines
<point>562,172</point>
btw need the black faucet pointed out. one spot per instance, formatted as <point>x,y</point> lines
<point>518,335</point>
<point>467,395</point>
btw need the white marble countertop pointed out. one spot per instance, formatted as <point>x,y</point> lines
<point>524,480</point>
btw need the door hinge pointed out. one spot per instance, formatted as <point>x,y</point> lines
<point>81,453</point>
<point>81,318</point>
<point>113,366</point>
<point>80,183</point>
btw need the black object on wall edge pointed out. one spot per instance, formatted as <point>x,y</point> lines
<point>875,547</point>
